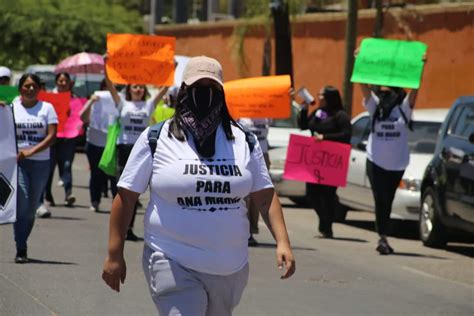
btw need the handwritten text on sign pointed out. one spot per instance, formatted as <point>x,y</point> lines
<point>260,97</point>
<point>61,102</point>
<point>323,162</point>
<point>389,63</point>
<point>140,59</point>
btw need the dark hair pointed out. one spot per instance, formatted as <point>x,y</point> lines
<point>128,94</point>
<point>176,126</point>
<point>65,74</point>
<point>333,99</point>
<point>103,85</point>
<point>31,76</point>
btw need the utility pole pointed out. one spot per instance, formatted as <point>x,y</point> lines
<point>151,24</point>
<point>283,51</point>
<point>351,37</point>
<point>378,27</point>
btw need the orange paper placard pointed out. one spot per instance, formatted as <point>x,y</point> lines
<point>260,97</point>
<point>61,102</point>
<point>140,59</point>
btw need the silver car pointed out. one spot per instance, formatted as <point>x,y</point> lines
<point>357,194</point>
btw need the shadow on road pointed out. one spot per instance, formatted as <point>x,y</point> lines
<point>38,261</point>
<point>349,239</point>
<point>268,245</point>
<point>417,255</point>
<point>67,218</point>
<point>398,229</point>
<point>467,250</point>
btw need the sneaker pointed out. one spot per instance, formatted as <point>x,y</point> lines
<point>131,236</point>
<point>70,200</point>
<point>21,256</point>
<point>252,242</point>
<point>43,212</point>
<point>60,183</point>
<point>383,247</point>
<point>94,207</point>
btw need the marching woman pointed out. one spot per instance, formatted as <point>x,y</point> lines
<point>36,124</point>
<point>195,256</point>
<point>96,139</point>
<point>388,153</point>
<point>328,121</point>
<point>135,111</point>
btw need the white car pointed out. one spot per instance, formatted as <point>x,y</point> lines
<point>357,194</point>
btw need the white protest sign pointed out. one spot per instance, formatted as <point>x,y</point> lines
<point>8,166</point>
<point>104,112</point>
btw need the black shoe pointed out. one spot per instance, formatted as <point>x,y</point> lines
<point>131,236</point>
<point>21,256</point>
<point>326,234</point>
<point>383,247</point>
<point>252,242</point>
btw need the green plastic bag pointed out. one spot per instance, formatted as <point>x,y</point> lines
<point>108,161</point>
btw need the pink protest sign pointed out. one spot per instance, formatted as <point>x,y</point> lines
<point>323,162</point>
<point>73,124</point>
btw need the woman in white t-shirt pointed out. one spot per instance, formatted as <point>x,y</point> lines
<point>387,150</point>
<point>36,125</point>
<point>99,112</point>
<point>135,111</point>
<point>195,256</point>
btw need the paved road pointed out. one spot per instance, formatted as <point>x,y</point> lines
<point>344,276</point>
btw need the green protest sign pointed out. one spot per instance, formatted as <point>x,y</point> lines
<point>8,93</point>
<point>389,63</point>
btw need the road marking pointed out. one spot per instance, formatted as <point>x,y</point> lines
<point>28,294</point>
<point>428,275</point>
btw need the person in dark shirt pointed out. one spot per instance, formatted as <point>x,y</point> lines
<point>326,120</point>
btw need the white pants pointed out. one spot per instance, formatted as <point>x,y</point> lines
<point>177,290</point>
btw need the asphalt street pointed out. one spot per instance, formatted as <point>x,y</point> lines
<point>342,276</point>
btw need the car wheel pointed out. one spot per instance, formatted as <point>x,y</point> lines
<point>432,231</point>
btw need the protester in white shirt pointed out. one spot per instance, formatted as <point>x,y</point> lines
<point>99,112</point>
<point>135,111</point>
<point>36,125</point>
<point>259,127</point>
<point>195,257</point>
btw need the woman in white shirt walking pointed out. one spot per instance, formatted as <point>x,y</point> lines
<point>195,257</point>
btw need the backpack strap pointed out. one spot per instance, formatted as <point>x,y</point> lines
<point>407,122</point>
<point>153,135</point>
<point>250,137</point>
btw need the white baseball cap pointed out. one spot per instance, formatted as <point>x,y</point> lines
<point>202,67</point>
<point>5,72</point>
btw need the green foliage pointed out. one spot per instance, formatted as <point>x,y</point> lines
<point>46,31</point>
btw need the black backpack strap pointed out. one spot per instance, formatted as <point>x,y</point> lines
<point>407,122</point>
<point>250,137</point>
<point>153,135</point>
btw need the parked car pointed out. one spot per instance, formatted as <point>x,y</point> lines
<point>45,73</point>
<point>447,188</point>
<point>357,194</point>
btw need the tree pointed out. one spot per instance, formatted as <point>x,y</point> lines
<point>46,31</point>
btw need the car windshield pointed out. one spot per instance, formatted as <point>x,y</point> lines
<point>423,137</point>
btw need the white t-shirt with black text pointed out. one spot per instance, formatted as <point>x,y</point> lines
<point>32,125</point>
<point>134,118</point>
<point>197,214</point>
<point>388,143</point>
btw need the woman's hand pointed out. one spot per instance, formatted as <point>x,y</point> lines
<point>285,258</point>
<point>23,154</point>
<point>114,272</point>
<point>318,137</point>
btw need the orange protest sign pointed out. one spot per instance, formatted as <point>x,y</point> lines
<point>61,102</point>
<point>140,59</point>
<point>259,97</point>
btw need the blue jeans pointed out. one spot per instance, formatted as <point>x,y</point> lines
<point>62,154</point>
<point>32,178</point>
<point>98,179</point>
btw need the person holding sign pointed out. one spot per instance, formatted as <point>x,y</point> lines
<point>388,153</point>
<point>135,111</point>
<point>98,112</point>
<point>328,121</point>
<point>195,257</point>
<point>36,124</point>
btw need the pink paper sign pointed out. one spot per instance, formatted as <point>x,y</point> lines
<point>323,162</point>
<point>73,124</point>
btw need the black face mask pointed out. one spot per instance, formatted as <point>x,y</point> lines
<point>202,100</point>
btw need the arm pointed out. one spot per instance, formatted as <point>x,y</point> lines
<point>365,90</point>
<point>412,98</point>
<point>269,205</point>
<point>86,110</point>
<point>115,269</point>
<point>44,144</point>
<point>110,86</point>
<point>157,98</point>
